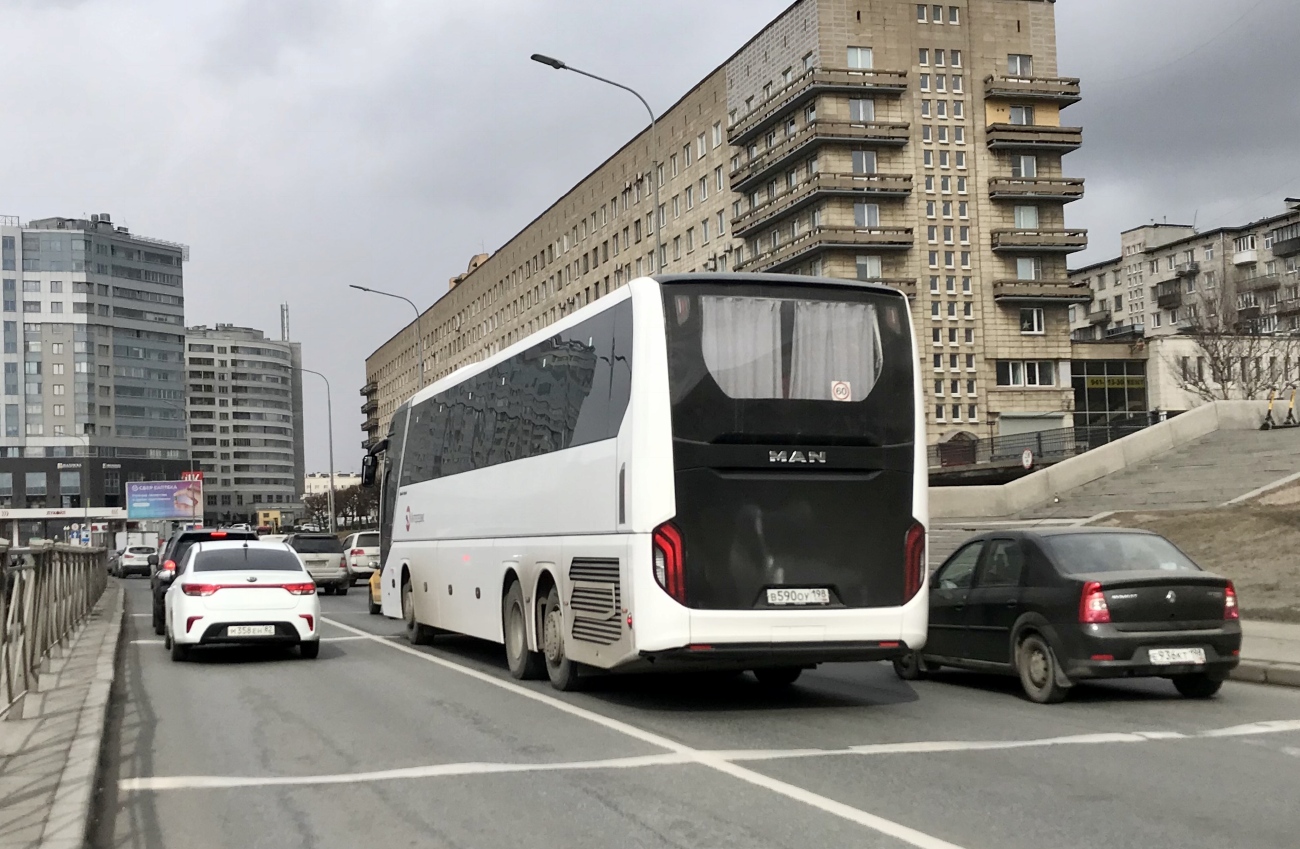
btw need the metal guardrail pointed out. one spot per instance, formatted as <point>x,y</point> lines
<point>1048,446</point>
<point>48,590</point>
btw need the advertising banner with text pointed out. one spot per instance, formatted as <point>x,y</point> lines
<point>164,499</point>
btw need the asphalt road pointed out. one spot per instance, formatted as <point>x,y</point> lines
<point>379,744</point>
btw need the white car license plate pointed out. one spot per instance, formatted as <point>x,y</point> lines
<point>797,597</point>
<point>250,631</point>
<point>1164,657</point>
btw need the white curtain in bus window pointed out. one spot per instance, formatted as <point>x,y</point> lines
<point>741,342</point>
<point>835,344</point>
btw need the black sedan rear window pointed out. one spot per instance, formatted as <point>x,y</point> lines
<point>317,545</point>
<point>1081,554</point>
<point>234,559</point>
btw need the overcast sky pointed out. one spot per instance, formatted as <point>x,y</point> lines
<point>301,145</point>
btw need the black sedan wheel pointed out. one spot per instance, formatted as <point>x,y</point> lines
<point>1197,686</point>
<point>910,667</point>
<point>1038,671</point>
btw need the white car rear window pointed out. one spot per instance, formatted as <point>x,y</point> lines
<point>240,559</point>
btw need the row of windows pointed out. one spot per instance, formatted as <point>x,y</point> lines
<point>570,390</point>
<point>927,13</point>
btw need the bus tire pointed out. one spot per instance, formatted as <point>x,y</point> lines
<point>563,672</point>
<point>778,677</point>
<point>416,634</point>
<point>524,665</point>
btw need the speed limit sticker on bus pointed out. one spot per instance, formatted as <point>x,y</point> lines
<point>841,391</point>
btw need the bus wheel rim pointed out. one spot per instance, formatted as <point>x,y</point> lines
<point>554,653</point>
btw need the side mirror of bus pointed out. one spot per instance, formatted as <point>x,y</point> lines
<point>369,464</point>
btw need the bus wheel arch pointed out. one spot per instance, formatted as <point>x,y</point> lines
<point>524,663</point>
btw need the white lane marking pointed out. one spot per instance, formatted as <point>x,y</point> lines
<point>141,615</point>
<point>1268,487</point>
<point>916,838</point>
<point>188,782</point>
<point>146,642</point>
<point>191,782</point>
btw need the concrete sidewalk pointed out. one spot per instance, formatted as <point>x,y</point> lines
<point>1270,653</point>
<point>49,758</point>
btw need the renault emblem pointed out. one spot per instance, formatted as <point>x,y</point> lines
<point>1171,597</point>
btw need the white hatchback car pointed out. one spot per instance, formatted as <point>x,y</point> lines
<point>241,592</point>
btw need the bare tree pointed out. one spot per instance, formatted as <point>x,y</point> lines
<point>1238,354</point>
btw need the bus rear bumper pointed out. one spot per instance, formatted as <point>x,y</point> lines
<point>759,655</point>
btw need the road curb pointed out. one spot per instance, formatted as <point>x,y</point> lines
<point>1267,672</point>
<point>69,814</point>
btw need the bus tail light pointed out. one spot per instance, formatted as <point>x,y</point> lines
<point>666,542</point>
<point>914,561</point>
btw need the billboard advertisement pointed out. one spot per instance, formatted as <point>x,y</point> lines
<point>164,500</point>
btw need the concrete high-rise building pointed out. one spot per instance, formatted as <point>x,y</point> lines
<point>246,424</point>
<point>918,145</point>
<point>93,391</point>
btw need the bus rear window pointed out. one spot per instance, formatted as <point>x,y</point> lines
<point>780,363</point>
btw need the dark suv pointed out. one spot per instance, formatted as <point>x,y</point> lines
<point>173,554</point>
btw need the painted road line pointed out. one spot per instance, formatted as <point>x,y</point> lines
<point>920,747</point>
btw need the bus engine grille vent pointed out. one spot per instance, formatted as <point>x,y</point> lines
<point>597,601</point>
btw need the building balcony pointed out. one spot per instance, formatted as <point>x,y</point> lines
<point>809,85</point>
<point>1260,283</point>
<point>820,239</point>
<point>1040,241</point>
<point>369,407</point>
<point>1125,331</point>
<point>1249,257</point>
<point>1169,296</point>
<point>370,425</point>
<point>1286,247</point>
<point>1049,189</point>
<point>1062,90</point>
<point>1034,137</point>
<point>1099,317</point>
<point>1249,312</point>
<point>1059,292</point>
<point>1290,306</point>
<point>821,186</point>
<point>370,388</point>
<point>1187,269</point>
<point>811,137</point>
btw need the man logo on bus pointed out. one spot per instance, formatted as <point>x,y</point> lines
<point>408,518</point>
<point>841,391</point>
<point>796,456</point>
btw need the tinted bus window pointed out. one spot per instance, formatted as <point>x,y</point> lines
<point>771,364</point>
<point>571,389</point>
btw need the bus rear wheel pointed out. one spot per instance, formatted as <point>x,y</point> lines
<point>524,665</point>
<point>416,634</point>
<point>562,671</point>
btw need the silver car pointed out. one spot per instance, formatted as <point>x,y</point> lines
<point>362,553</point>
<point>323,556</point>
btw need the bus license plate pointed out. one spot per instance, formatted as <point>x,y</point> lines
<point>250,631</point>
<point>1164,657</point>
<point>798,597</point>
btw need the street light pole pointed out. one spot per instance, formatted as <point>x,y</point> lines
<point>654,160</point>
<point>418,333</point>
<point>85,485</point>
<point>329,413</point>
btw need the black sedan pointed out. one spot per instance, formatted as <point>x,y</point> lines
<point>1064,605</point>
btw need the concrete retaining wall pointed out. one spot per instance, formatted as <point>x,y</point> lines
<point>973,502</point>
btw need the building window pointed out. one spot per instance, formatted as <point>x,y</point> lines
<point>1020,65</point>
<point>866,214</point>
<point>922,13</point>
<point>954,15</point>
<point>1026,217</point>
<point>862,109</point>
<point>859,58</point>
<point>1031,321</point>
<point>1022,116</point>
<point>1029,268</point>
<point>1024,167</point>
<point>1026,373</point>
<point>869,267</point>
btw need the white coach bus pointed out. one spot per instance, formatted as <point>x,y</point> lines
<point>703,471</point>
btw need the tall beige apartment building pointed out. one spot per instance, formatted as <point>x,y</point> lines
<point>915,144</point>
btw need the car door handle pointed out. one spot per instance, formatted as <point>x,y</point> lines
<point>959,607</point>
<point>1012,603</point>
